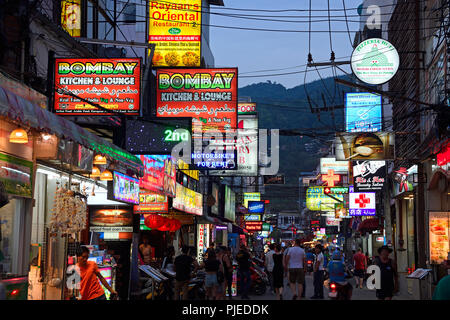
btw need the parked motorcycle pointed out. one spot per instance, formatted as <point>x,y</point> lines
<point>259,280</point>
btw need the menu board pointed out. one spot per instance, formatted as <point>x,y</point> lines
<point>125,188</point>
<point>188,200</point>
<point>438,235</point>
<point>152,202</point>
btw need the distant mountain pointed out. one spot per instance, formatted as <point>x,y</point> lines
<point>281,108</point>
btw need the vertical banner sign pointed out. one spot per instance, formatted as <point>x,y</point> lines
<point>175,27</point>
<point>200,242</point>
<point>111,83</point>
<point>71,17</point>
<point>206,95</point>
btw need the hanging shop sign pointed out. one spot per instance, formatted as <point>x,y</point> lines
<point>256,206</point>
<point>251,196</point>
<point>404,179</point>
<point>265,227</point>
<point>245,143</point>
<point>362,204</point>
<point>332,222</point>
<point>208,96</point>
<point>152,202</point>
<point>375,61</point>
<point>124,188</point>
<point>317,200</point>
<point>156,137</point>
<point>326,164</point>
<point>369,175</point>
<point>247,108</point>
<point>188,200</point>
<point>110,220</point>
<point>16,175</point>
<point>230,204</point>
<point>111,83</point>
<point>71,17</point>
<point>159,174</point>
<point>252,217</point>
<point>278,179</point>
<point>215,193</point>
<point>184,167</point>
<point>175,27</point>
<point>365,146</point>
<point>335,190</point>
<point>363,112</point>
<point>253,225</point>
<point>439,232</point>
<point>443,157</point>
<point>331,179</point>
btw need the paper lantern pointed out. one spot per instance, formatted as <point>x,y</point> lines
<point>18,136</point>
<point>154,221</point>
<point>166,226</point>
<point>95,172</point>
<point>176,225</point>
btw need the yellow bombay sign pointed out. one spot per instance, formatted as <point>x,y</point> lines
<point>175,29</point>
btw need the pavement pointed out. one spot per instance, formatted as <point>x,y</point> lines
<point>358,294</point>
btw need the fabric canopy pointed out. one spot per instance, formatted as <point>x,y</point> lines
<point>369,225</point>
<point>23,111</point>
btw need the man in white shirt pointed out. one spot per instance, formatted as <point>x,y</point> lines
<point>295,265</point>
<point>318,274</point>
<point>268,263</point>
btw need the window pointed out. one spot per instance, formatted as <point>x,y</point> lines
<point>129,13</point>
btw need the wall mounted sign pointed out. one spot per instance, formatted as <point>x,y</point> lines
<point>335,190</point>
<point>256,206</point>
<point>152,202</point>
<point>230,204</point>
<point>375,61</point>
<point>404,179</point>
<point>365,146</point>
<point>340,211</point>
<point>439,231</point>
<point>111,83</point>
<point>208,96</point>
<point>315,224</point>
<point>246,108</point>
<point>125,188</point>
<point>159,174</point>
<point>332,222</point>
<point>278,179</point>
<point>369,175</point>
<point>216,159</point>
<point>363,112</point>
<point>201,230</point>
<point>340,167</point>
<point>175,27</point>
<point>110,219</point>
<point>362,204</point>
<point>252,217</point>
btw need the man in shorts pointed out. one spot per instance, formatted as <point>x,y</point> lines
<point>360,264</point>
<point>295,266</point>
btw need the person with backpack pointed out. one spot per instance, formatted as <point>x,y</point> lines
<point>389,275</point>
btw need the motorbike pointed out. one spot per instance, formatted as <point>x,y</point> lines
<point>196,287</point>
<point>339,291</point>
<point>259,280</point>
<point>309,265</point>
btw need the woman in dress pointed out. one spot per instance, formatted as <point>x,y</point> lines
<point>278,272</point>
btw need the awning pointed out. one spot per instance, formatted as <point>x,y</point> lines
<point>27,113</point>
<point>210,220</point>
<point>369,225</point>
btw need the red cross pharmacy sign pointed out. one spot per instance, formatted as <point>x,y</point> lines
<point>362,204</point>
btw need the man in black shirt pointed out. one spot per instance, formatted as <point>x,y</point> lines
<point>183,268</point>
<point>243,259</point>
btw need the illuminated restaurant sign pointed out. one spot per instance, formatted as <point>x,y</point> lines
<point>207,95</point>
<point>331,163</point>
<point>111,83</point>
<point>125,188</point>
<point>245,108</point>
<point>251,196</point>
<point>175,29</point>
<point>253,225</point>
<point>317,200</point>
<point>152,202</point>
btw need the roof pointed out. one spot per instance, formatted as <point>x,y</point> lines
<point>30,114</point>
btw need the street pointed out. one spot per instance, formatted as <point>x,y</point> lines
<point>358,294</point>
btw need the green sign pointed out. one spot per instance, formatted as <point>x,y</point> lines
<point>16,175</point>
<point>265,227</point>
<point>172,135</point>
<point>336,190</point>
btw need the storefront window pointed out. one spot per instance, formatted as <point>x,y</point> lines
<point>7,238</point>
